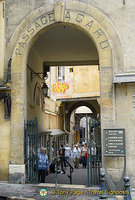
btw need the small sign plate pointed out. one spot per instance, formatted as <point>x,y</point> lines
<point>114,142</point>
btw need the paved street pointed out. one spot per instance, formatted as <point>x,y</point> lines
<point>77,191</point>
<point>32,191</point>
<point>79,176</point>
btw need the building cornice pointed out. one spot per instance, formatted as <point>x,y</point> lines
<point>124,78</point>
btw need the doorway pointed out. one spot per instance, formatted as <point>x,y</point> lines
<point>84,23</point>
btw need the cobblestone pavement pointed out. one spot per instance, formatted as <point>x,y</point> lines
<point>32,191</point>
<point>69,192</point>
<point>79,176</point>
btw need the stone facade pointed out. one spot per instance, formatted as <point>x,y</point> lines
<point>110,24</point>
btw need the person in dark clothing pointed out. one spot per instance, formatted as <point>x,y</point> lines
<point>62,155</point>
<point>43,165</point>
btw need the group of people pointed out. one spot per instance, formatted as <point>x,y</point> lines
<point>43,161</point>
<point>79,155</point>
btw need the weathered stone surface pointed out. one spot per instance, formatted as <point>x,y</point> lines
<point>17,174</point>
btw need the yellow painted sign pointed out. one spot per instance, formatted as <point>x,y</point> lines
<point>60,87</point>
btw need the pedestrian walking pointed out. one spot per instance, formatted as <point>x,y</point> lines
<point>93,152</point>
<point>62,157</point>
<point>76,155</point>
<point>84,155</point>
<point>43,165</point>
<point>67,152</point>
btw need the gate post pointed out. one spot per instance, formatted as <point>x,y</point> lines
<point>127,188</point>
<point>103,188</point>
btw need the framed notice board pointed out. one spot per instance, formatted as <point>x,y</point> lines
<point>114,142</point>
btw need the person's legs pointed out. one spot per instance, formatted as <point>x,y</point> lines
<point>39,176</point>
<point>77,162</point>
<point>62,161</point>
<point>42,176</point>
<point>85,162</point>
<point>67,158</point>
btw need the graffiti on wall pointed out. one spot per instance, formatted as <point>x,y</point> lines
<point>60,87</point>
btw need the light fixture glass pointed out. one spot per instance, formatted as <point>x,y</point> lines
<point>44,89</point>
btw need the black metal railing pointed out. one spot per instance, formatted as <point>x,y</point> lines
<point>62,159</point>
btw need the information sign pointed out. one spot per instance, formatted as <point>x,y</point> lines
<point>114,142</point>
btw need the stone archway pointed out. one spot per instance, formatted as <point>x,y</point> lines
<point>73,107</point>
<point>93,23</point>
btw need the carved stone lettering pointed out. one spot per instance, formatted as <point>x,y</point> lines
<point>18,52</point>
<point>25,37</point>
<point>51,17</point>
<point>37,25</point>
<point>99,32</point>
<point>104,44</point>
<point>67,15</point>
<point>89,24</point>
<point>43,20</point>
<point>31,30</point>
<point>22,44</point>
<point>79,17</point>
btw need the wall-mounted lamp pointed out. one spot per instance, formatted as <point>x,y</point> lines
<point>44,90</point>
<point>43,78</point>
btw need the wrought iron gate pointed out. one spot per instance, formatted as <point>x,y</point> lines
<point>93,151</point>
<point>31,150</point>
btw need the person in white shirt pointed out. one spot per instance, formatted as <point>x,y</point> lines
<point>84,155</point>
<point>67,152</point>
<point>93,152</point>
<point>76,155</point>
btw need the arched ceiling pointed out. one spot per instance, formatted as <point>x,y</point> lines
<point>62,42</point>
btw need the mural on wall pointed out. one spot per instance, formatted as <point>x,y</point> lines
<point>60,87</point>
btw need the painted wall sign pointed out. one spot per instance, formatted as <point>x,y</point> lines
<point>114,142</point>
<point>70,17</point>
<point>60,87</point>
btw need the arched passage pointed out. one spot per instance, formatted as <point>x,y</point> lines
<point>75,106</point>
<point>96,26</point>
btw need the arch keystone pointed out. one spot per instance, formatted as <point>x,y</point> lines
<point>59,11</point>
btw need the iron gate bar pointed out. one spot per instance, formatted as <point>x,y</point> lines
<point>56,171</point>
<point>31,150</point>
<point>93,159</point>
<point>98,154</point>
<point>87,149</point>
<point>90,151</point>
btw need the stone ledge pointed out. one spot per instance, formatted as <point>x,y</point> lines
<point>17,173</point>
<point>124,78</point>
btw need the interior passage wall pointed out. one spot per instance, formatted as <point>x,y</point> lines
<point>43,109</point>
